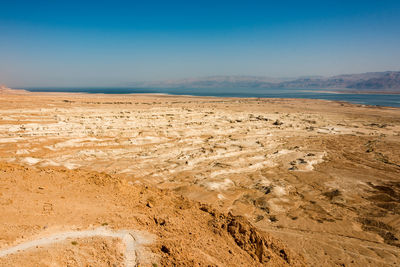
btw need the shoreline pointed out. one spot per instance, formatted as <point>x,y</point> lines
<point>353,92</point>
<point>306,90</point>
<point>6,90</point>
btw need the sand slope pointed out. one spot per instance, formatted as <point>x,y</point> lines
<point>43,205</point>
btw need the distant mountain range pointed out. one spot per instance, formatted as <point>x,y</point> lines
<point>371,81</point>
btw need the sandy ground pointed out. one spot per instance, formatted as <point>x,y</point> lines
<point>53,216</point>
<point>321,176</point>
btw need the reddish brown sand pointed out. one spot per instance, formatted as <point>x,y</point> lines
<point>321,176</point>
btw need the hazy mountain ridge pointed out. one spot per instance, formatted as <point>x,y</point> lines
<point>389,80</point>
<point>363,81</point>
<point>218,81</point>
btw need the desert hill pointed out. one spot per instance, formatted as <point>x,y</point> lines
<point>169,230</point>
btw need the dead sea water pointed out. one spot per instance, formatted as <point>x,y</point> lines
<point>388,100</point>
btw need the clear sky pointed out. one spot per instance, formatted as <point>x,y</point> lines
<point>103,43</point>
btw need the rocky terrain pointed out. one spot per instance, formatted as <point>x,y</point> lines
<point>59,217</point>
<point>321,176</point>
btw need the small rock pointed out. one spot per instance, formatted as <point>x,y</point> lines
<point>159,221</point>
<point>301,161</point>
<point>165,249</point>
<point>272,218</point>
<point>277,122</point>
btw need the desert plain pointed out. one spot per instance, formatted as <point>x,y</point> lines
<point>160,180</point>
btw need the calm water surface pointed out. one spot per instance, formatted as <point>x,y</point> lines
<point>389,100</point>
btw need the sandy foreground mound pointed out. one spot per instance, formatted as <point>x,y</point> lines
<point>59,217</point>
<point>321,176</point>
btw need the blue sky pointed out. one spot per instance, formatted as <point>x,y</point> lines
<point>106,43</point>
